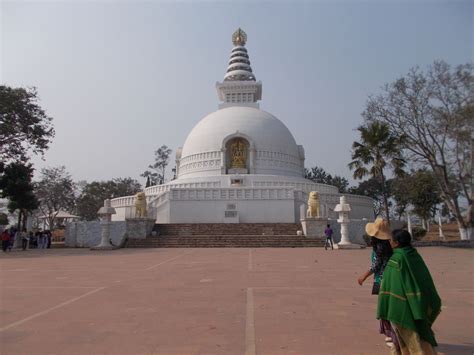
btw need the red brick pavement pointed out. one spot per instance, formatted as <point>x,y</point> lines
<point>212,301</point>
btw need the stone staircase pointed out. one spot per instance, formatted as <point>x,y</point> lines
<point>450,231</point>
<point>244,235</point>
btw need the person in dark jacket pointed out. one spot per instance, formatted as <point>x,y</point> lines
<point>379,231</point>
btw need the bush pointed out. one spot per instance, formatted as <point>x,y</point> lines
<point>3,219</point>
<point>418,233</point>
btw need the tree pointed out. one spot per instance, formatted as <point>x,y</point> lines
<point>373,188</point>
<point>16,185</point>
<point>400,187</point>
<point>24,124</point>
<point>433,112</point>
<point>424,194</point>
<point>55,191</point>
<point>93,195</point>
<point>319,175</point>
<point>418,189</point>
<point>157,172</point>
<point>378,149</point>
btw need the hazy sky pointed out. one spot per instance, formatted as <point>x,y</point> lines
<point>121,78</point>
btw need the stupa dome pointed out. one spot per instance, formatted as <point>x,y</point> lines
<point>272,144</point>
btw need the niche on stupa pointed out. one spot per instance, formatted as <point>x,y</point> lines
<point>237,156</point>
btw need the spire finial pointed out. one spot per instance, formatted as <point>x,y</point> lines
<point>239,38</point>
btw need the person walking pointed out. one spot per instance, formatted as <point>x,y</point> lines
<point>5,240</point>
<point>40,236</point>
<point>408,298</point>
<point>328,232</point>
<point>12,234</point>
<point>24,239</point>
<point>379,231</point>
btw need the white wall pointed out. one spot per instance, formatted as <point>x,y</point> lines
<point>250,211</point>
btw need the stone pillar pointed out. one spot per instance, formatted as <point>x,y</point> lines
<point>252,160</point>
<point>106,213</point>
<point>343,208</point>
<point>223,161</point>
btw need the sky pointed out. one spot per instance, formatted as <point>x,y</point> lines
<point>122,78</point>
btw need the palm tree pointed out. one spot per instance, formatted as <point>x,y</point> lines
<point>378,148</point>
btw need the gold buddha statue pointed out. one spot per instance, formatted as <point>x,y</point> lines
<point>238,154</point>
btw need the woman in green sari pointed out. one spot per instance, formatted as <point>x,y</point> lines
<point>408,298</point>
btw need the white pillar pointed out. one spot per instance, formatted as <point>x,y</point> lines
<point>409,223</point>
<point>105,213</point>
<point>441,235</point>
<point>343,208</point>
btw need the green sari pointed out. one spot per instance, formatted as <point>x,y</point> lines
<point>408,296</point>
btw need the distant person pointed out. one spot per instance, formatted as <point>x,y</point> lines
<point>24,239</point>
<point>13,232</point>
<point>5,240</point>
<point>379,231</point>
<point>328,232</point>
<point>31,238</point>
<point>49,237</point>
<point>40,237</point>
<point>408,297</point>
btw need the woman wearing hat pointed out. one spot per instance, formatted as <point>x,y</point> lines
<point>408,297</point>
<point>379,231</point>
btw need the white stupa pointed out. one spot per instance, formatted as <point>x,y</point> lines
<point>239,164</point>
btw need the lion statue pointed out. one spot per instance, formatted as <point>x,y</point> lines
<point>140,205</point>
<point>313,204</point>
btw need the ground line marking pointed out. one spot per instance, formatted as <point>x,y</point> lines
<point>249,325</point>
<point>46,311</point>
<point>18,287</point>
<point>164,262</point>
<point>250,260</point>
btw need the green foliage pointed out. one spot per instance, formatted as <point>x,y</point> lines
<point>418,189</point>
<point>93,195</point>
<point>55,191</point>
<point>378,149</point>
<point>3,219</point>
<point>24,127</point>
<point>319,175</point>
<point>373,188</point>
<point>400,187</point>
<point>418,233</point>
<point>156,175</point>
<point>433,112</point>
<point>16,185</point>
<point>424,193</point>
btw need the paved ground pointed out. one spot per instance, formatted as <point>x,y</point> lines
<point>212,301</point>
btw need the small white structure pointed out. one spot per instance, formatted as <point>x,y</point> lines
<point>343,208</point>
<point>105,214</point>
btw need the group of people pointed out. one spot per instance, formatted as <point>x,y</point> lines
<point>408,303</point>
<point>39,240</point>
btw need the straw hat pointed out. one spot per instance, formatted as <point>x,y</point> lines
<point>380,229</point>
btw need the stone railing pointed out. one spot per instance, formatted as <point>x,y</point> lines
<point>232,194</point>
<point>180,192</point>
<point>122,201</point>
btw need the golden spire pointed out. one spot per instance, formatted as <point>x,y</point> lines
<point>239,38</point>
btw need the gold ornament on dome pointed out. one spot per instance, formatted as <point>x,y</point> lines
<point>238,154</point>
<point>239,38</point>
